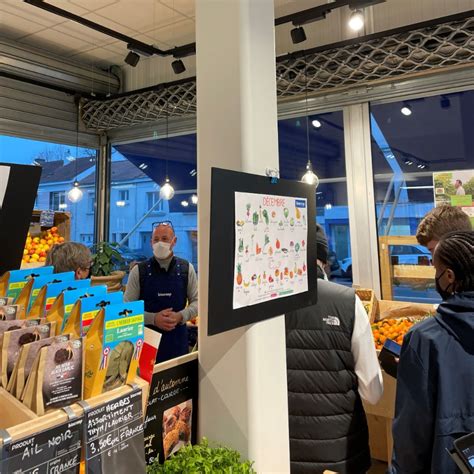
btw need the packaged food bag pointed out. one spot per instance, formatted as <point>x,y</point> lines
<point>39,282</point>
<point>71,297</point>
<point>12,282</point>
<point>23,299</point>
<point>49,293</point>
<point>113,345</point>
<point>12,342</point>
<point>57,380</point>
<point>85,310</point>
<point>12,325</point>
<point>26,358</point>
<point>9,312</point>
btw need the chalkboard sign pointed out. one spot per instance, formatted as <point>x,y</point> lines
<point>114,436</point>
<point>171,416</point>
<point>56,450</point>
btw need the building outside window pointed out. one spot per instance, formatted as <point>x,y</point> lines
<point>326,153</point>
<point>412,143</point>
<point>59,171</point>
<point>91,202</point>
<point>57,201</point>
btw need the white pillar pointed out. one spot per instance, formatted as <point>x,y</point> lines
<point>243,391</point>
<point>360,196</point>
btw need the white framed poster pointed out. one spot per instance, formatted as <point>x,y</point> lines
<point>270,248</point>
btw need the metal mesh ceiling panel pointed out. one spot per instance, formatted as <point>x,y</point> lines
<point>431,47</point>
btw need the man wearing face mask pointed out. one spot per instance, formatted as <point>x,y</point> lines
<point>166,284</point>
<point>435,403</point>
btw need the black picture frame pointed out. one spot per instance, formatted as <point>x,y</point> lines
<point>224,184</point>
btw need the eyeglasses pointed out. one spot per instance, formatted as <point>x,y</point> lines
<point>166,223</point>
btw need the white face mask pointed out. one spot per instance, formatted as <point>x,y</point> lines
<point>162,250</point>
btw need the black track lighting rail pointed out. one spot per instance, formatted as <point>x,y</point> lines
<point>132,44</point>
<point>299,18</point>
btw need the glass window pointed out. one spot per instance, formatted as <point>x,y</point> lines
<point>91,202</point>
<point>138,170</point>
<point>326,153</point>
<point>154,203</point>
<point>61,166</point>
<point>420,149</point>
<point>57,200</point>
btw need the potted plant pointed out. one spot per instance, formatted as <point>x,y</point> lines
<point>203,458</point>
<point>105,261</point>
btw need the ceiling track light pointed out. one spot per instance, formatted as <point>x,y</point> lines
<point>406,110</point>
<point>298,35</point>
<point>178,66</point>
<point>356,20</point>
<point>132,58</point>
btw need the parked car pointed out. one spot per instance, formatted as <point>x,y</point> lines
<point>400,255</point>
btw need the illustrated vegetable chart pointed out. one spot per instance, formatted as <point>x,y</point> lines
<point>271,234</point>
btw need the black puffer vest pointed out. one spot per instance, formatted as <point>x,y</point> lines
<point>328,427</point>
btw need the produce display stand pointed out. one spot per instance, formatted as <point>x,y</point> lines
<point>391,271</point>
<point>380,416</point>
<point>62,220</point>
<point>20,422</point>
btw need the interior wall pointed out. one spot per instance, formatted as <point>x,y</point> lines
<point>385,16</point>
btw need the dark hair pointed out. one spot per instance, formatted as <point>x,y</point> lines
<point>456,251</point>
<point>459,181</point>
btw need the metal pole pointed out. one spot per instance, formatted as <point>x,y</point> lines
<point>138,224</point>
<point>102,191</point>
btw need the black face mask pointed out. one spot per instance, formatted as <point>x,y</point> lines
<point>444,293</point>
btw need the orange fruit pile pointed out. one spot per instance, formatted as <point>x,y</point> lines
<point>394,329</point>
<point>36,248</point>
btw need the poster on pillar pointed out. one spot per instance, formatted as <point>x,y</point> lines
<point>263,249</point>
<point>270,248</point>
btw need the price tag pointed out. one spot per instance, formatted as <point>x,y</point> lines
<point>56,450</point>
<point>114,436</point>
<point>47,218</point>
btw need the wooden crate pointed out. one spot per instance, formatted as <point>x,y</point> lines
<point>62,220</point>
<point>417,275</point>
<point>22,422</point>
<point>368,298</point>
<point>403,309</point>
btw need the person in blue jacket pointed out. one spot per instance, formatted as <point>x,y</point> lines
<point>435,381</point>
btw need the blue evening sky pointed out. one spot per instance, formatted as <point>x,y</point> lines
<point>24,151</point>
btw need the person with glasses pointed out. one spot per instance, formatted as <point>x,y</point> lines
<point>168,286</point>
<point>70,257</point>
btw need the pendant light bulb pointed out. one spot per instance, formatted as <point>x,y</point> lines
<point>75,193</point>
<point>310,177</point>
<point>167,191</point>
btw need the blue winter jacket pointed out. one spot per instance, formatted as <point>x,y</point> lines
<point>435,389</point>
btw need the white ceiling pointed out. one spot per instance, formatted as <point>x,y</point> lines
<point>169,23</point>
<point>163,23</point>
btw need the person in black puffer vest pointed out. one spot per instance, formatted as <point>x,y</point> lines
<point>331,364</point>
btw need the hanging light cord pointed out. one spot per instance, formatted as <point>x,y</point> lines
<point>306,103</point>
